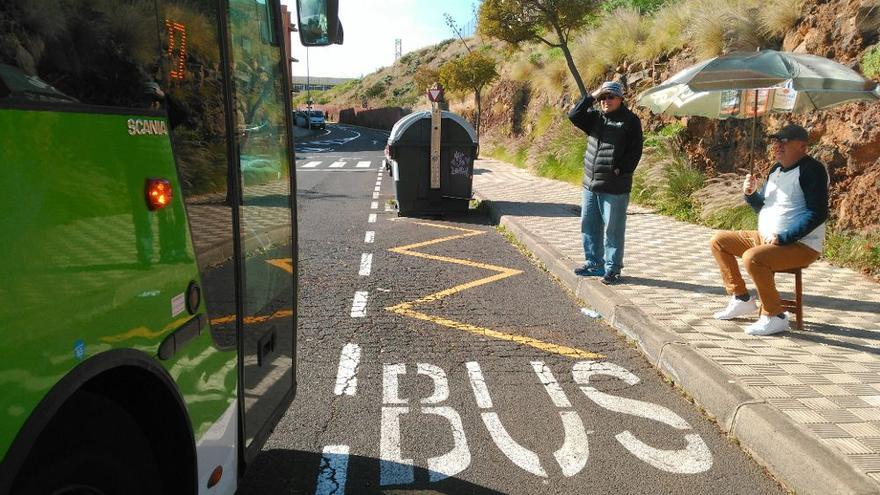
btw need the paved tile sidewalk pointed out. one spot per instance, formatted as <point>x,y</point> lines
<point>826,379</point>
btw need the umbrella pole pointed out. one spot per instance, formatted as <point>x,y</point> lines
<point>754,127</point>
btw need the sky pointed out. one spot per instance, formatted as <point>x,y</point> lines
<point>371,26</point>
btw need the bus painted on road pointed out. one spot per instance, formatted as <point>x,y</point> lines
<point>147,263</point>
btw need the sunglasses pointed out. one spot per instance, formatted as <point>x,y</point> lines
<point>781,140</point>
<point>606,97</point>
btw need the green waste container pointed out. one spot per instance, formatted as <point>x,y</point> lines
<point>409,155</point>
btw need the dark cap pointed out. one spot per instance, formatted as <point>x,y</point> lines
<point>792,132</point>
<point>610,87</point>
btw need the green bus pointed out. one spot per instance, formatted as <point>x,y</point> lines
<point>147,264</point>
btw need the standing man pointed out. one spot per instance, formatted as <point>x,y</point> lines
<point>614,148</point>
<point>792,207</point>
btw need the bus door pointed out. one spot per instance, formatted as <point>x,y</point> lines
<point>267,233</point>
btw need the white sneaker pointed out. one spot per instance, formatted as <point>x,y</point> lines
<point>768,325</point>
<point>736,308</point>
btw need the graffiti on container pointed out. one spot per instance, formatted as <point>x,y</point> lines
<point>459,164</point>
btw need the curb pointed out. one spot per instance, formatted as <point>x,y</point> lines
<point>793,455</point>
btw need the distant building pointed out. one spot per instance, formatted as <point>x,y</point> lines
<point>316,83</point>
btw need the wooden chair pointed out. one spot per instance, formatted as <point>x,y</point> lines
<point>795,305</point>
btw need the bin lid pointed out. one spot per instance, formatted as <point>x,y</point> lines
<point>405,123</point>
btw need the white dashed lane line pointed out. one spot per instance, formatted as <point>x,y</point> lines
<point>366,264</point>
<point>369,237</point>
<point>359,304</point>
<point>346,375</point>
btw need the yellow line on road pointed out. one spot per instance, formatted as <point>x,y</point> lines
<point>406,308</point>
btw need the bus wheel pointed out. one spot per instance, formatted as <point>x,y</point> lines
<point>93,447</point>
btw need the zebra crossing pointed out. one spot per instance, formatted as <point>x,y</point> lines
<point>337,165</point>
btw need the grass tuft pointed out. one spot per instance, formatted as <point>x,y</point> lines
<point>777,17</point>
<point>858,251</point>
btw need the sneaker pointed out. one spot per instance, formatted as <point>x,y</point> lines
<point>611,278</point>
<point>736,308</point>
<point>589,271</point>
<point>768,325</point>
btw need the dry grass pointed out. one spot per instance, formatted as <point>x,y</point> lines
<point>666,32</point>
<point>553,78</point>
<point>708,27</point>
<point>619,36</point>
<point>590,64</point>
<point>719,27</point>
<point>522,70</point>
<point>720,193</point>
<point>777,17</point>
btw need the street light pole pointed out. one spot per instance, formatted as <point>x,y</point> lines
<point>308,93</point>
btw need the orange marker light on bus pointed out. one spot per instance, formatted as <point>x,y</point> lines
<point>159,193</point>
<point>215,476</point>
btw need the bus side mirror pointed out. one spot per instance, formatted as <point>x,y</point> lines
<point>319,22</point>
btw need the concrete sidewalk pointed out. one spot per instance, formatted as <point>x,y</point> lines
<point>805,404</point>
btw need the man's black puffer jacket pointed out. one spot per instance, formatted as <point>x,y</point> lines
<point>614,146</point>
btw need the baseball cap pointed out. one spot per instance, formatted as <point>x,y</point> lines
<point>610,87</point>
<point>791,132</point>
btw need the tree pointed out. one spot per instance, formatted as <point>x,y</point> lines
<point>517,21</point>
<point>469,73</point>
<point>425,77</point>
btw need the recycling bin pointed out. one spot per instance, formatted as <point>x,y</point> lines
<point>409,156</point>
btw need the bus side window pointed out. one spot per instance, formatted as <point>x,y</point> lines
<point>92,53</point>
<point>194,94</point>
<point>267,22</point>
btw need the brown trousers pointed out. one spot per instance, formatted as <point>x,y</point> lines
<point>761,261</point>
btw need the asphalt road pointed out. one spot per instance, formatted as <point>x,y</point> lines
<point>434,357</point>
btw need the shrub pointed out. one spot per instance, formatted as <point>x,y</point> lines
<point>667,133</point>
<point>377,90</point>
<point>871,61</point>
<point>536,59</point>
<point>644,6</point>
<point>545,120</point>
<point>675,198</point>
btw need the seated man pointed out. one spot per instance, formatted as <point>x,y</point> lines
<point>792,208</point>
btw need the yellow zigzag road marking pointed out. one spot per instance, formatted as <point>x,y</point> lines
<point>406,308</point>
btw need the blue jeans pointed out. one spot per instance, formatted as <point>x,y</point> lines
<point>603,224</point>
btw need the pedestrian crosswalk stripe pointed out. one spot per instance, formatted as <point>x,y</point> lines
<point>363,165</point>
<point>337,164</point>
<point>311,165</point>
